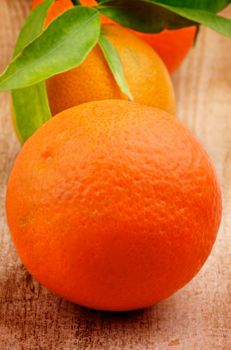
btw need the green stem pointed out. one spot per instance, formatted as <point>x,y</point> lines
<point>76,2</point>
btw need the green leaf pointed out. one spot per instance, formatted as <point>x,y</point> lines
<point>142,15</point>
<point>207,5</point>
<point>30,107</point>
<point>219,24</point>
<point>33,26</point>
<point>112,57</point>
<point>30,110</point>
<point>220,5</point>
<point>152,16</point>
<point>62,46</point>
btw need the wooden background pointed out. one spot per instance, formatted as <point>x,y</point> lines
<point>197,317</point>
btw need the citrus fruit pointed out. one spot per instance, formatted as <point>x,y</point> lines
<point>146,74</point>
<point>171,45</point>
<point>113,205</point>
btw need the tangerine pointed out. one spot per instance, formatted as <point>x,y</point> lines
<point>146,74</point>
<point>113,205</point>
<point>171,45</point>
<point>147,77</point>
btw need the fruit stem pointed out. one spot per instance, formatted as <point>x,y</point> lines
<point>76,2</point>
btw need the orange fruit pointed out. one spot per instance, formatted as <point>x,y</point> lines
<point>147,77</point>
<point>171,45</point>
<point>146,74</point>
<point>113,205</point>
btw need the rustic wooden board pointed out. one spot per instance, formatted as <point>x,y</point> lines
<point>197,317</point>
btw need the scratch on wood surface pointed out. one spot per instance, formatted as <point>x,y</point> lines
<point>174,342</point>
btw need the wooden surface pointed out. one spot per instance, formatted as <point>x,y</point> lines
<point>197,317</point>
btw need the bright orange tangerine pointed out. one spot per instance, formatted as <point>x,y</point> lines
<point>113,205</point>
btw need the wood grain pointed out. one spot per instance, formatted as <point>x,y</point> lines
<point>197,317</point>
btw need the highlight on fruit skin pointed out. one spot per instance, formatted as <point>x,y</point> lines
<point>113,205</point>
<point>171,45</point>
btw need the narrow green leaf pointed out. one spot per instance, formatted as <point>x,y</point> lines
<point>112,57</point>
<point>30,107</point>
<point>33,26</point>
<point>220,5</point>
<point>30,110</point>
<point>62,46</point>
<point>207,5</point>
<point>219,24</point>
